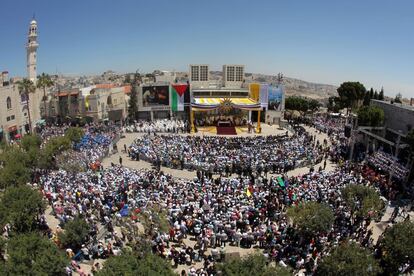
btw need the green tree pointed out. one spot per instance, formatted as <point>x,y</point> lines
<point>371,93</point>
<point>398,98</point>
<point>334,104</point>
<point>32,254</point>
<point>381,94</point>
<point>398,247</point>
<point>311,217</point>
<point>127,79</point>
<point>376,96</point>
<point>363,201</point>
<point>27,87</point>
<point>44,81</point>
<point>370,116</point>
<point>351,94</point>
<point>75,233</point>
<point>14,169</point>
<point>349,259</point>
<point>133,103</point>
<point>31,145</point>
<point>74,134</point>
<point>52,148</point>
<point>22,206</point>
<point>30,142</point>
<point>129,263</point>
<point>253,264</point>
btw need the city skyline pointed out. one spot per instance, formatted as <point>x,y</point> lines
<point>320,42</point>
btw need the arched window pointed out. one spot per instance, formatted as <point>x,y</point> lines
<point>9,105</point>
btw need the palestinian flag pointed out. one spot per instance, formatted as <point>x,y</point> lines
<point>177,96</point>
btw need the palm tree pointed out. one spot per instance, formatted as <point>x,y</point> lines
<point>26,87</point>
<point>44,81</point>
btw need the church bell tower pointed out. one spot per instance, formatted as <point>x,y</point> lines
<point>31,49</point>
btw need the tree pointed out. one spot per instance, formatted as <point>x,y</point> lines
<point>127,79</point>
<point>311,217</point>
<point>381,94</point>
<point>27,87</point>
<point>30,142</point>
<point>75,234</point>
<point>397,247</point>
<point>376,96</point>
<point>14,169</point>
<point>129,263</point>
<point>334,104</point>
<point>253,264</point>
<point>370,116</point>
<point>349,259</point>
<point>363,201</point>
<point>133,103</point>
<point>32,254</point>
<point>74,134</point>
<point>398,98</point>
<point>44,81</point>
<point>351,94</point>
<point>21,206</point>
<point>52,148</point>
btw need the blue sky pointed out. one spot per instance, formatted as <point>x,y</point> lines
<point>321,41</point>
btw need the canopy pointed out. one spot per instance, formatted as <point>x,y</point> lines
<point>41,122</point>
<point>205,104</point>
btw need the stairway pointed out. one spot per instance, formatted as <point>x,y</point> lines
<point>226,130</point>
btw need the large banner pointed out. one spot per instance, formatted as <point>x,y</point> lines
<point>275,97</point>
<point>155,95</point>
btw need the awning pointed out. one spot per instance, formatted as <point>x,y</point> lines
<point>205,104</point>
<point>12,128</point>
<point>41,122</point>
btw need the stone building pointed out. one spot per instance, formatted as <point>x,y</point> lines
<point>14,107</point>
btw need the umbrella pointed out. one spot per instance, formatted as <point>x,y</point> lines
<point>18,136</point>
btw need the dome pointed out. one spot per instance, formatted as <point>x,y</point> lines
<point>33,22</point>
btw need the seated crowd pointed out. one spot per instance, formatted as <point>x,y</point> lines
<point>229,155</point>
<point>162,126</point>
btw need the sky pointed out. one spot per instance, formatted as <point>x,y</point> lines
<point>328,41</point>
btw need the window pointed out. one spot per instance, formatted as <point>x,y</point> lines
<point>8,118</point>
<point>203,73</point>
<point>239,73</point>
<point>195,73</point>
<point>9,105</point>
<point>23,98</point>
<point>230,73</point>
<point>12,117</point>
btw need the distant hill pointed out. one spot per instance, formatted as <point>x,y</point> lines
<point>294,87</point>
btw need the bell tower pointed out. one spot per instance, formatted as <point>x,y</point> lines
<point>31,49</point>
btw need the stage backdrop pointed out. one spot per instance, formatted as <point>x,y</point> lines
<point>155,95</point>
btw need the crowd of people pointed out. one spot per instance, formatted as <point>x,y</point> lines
<point>235,199</point>
<point>245,211</point>
<point>160,126</point>
<point>222,155</point>
<point>385,162</point>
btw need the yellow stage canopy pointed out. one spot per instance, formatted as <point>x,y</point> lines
<point>204,104</point>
